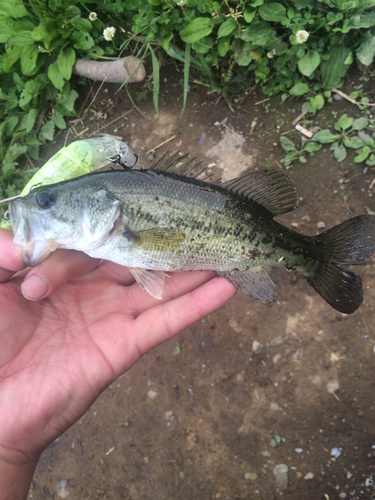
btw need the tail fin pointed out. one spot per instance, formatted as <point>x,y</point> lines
<point>349,243</point>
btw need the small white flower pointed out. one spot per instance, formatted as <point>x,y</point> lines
<point>302,36</point>
<point>181,3</point>
<point>109,33</point>
<point>93,16</point>
<point>271,54</point>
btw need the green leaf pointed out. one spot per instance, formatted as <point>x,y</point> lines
<point>312,146</point>
<point>165,41</point>
<point>65,62</point>
<point>48,130</point>
<point>340,153</point>
<point>353,142</point>
<point>309,62</point>
<point>302,159</point>
<point>363,20</point>
<point>299,89</point>
<point>12,57</point>
<point>59,121</point>
<point>290,157</point>
<point>256,3</point>
<point>249,14</point>
<point>360,123</point>
<point>227,27</point>
<point>258,32</point>
<point>223,45</point>
<point>22,39</point>
<point>82,24</point>
<point>325,136</point>
<point>156,79</point>
<point>197,29</point>
<point>371,161</point>
<point>275,441</point>
<point>370,212</point>
<point>10,124</point>
<point>287,144</point>
<point>204,45</point>
<point>272,12</point>
<point>367,140</point>
<point>366,51</point>
<point>82,40</point>
<point>345,122</point>
<point>317,102</point>
<point>245,56</point>
<point>14,8</point>
<point>55,76</point>
<point>333,69</point>
<point>31,117</point>
<point>363,155</point>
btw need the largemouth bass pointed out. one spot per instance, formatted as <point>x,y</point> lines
<point>155,221</point>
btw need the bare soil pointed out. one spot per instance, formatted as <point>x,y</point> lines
<point>197,422</point>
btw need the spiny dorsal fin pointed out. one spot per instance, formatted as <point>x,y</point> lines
<point>181,165</point>
<point>270,188</point>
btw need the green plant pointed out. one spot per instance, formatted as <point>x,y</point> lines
<point>293,153</point>
<point>347,136</point>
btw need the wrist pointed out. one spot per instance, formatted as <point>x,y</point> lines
<point>16,473</point>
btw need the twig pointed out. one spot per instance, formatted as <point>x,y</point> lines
<point>117,137</point>
<point>278,164</point>
<point>288,132</point>
<point>372,183</point>
<point>304,131</point>
<point>110,123</point>
<point>29,160</point>
<point>229,104</point>
<point>299,117</point>
<point>350,99</point>
<point>161,144</point>
<point>260,102</point>
<point>82,131</point>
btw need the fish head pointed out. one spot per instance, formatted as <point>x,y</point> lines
<point>62,216</point>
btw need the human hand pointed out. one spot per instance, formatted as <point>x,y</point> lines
<point>90,326</point>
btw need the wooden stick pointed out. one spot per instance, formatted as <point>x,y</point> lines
<point>161,144</point>
<point>299,117</point>
<point>350,99</point>
<point>260,102</point>
<point>110,123</point>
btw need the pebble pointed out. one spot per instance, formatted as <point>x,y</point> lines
<point>320,224</point>
<point>276,358</point>
<point>280,473</point>
<point>257,347</point>
<point>235,326</point>
<point>181,475</point>
<point>152,394</point>
<point>335,452</point>
<point>62,488</point>
<point>333,386</point>
<point>309,476</point>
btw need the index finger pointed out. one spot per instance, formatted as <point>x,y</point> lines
<point>10,256</point>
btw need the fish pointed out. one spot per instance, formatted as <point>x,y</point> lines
<point>156,221</point>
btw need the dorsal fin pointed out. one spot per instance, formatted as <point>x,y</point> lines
<point>177,164</point>
<point>272,189</point>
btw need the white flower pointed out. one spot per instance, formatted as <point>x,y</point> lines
<point>93,16</point>
<point>271,54</point>
<point>302,36</point>
<point>109,33</point>
<point>181,3</point>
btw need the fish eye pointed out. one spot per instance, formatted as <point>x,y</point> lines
<point>7,215</point>
<point>45,199</point>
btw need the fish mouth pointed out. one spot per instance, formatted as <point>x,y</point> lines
<point>29,234</point>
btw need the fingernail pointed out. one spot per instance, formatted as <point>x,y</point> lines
<point>33,288</point>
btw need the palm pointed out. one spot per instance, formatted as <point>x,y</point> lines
<point>59,353</point>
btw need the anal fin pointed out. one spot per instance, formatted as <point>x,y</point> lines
<point>254,282</point>
<point>151,281</point>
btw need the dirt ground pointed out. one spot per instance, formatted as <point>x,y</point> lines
<point>199,422</point>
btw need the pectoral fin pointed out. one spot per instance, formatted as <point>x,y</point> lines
<point>151,281</point>
<point>254,282</point>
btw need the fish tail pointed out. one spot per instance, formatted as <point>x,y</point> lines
<point>349,243</point>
